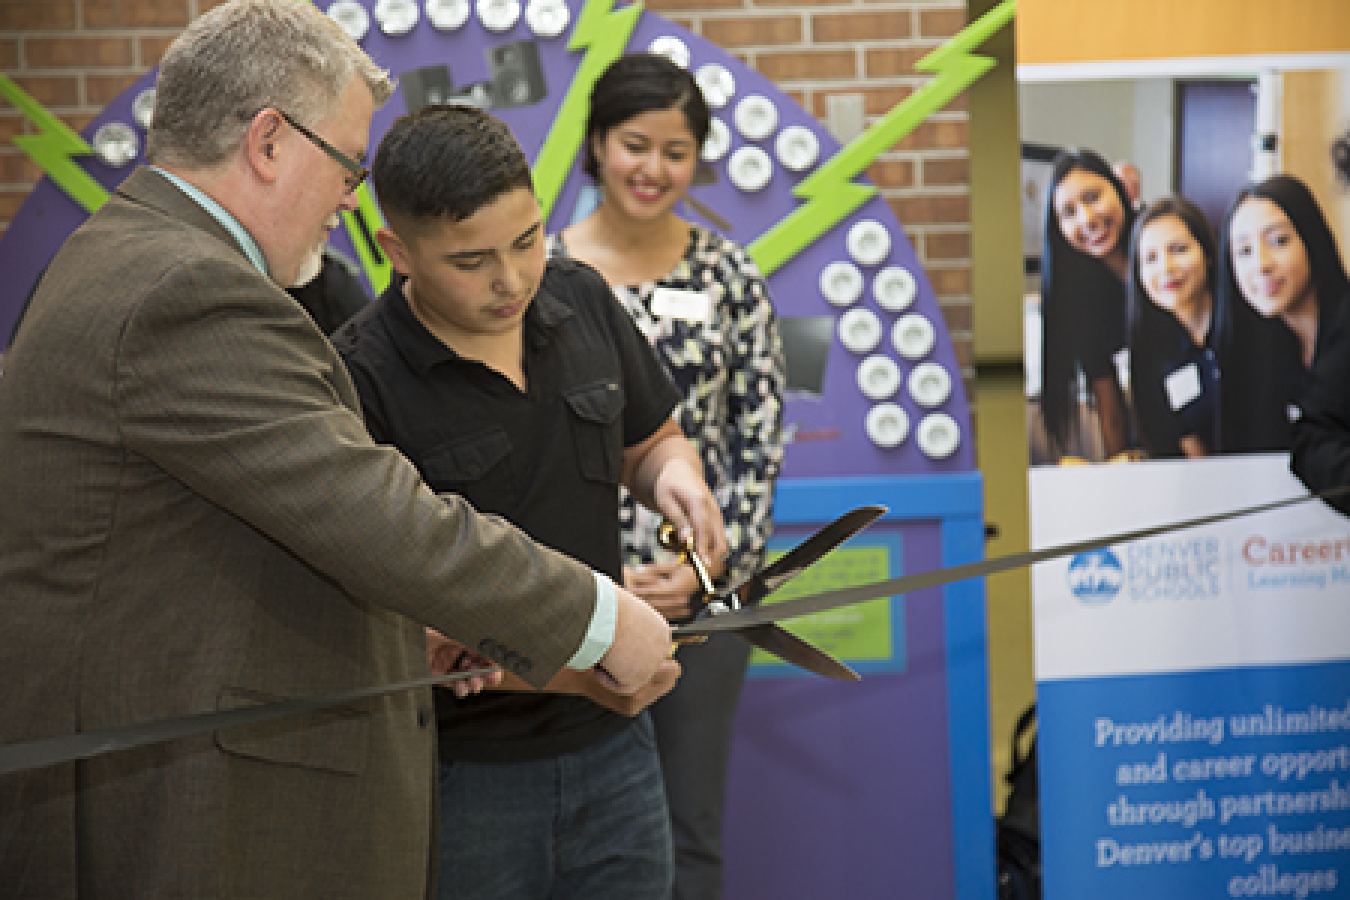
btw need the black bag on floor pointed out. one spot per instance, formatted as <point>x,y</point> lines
<point>1019,828</point>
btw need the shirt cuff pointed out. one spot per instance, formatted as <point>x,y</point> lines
<point>600,634</point>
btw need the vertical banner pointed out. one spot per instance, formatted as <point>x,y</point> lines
<point>1194,689</point>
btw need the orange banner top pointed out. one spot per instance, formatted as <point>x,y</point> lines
<point>1085,31</point>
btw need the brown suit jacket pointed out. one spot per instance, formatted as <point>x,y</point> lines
<point>193,518</point>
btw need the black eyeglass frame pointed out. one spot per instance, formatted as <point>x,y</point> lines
<point>359,173</point>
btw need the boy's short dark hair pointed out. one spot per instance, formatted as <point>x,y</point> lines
<point>446,162</point>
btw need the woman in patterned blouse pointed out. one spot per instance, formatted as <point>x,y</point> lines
<point>703,304</point>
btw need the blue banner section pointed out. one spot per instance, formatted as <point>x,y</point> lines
<point>1227,783</point>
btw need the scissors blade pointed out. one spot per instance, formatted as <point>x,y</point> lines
<point>788,647</point>
<point>808,552</point>
<point>768,613</point>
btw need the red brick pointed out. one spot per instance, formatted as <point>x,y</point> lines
<point>36,15</point>
<point>664,6</point>
<point>937,134</point>
<point>941,23</point>
<point>889,174</point>
<point>827,28</point>
<point>752,31</point>
<point>10,201</point>
<point>877,101</point>
<point>51,90</point>
<point>100,90</point>
<point>959,317</point>
<point>806,65</point>
<point>135,13</point>
<point>949,281</point>
<point>17,170</point>
<point>896,62</point>
<point>946,245</point>
<point>151,49</point>
<point>9,54</point>
<point>12,124</point>
<point>798,3</point>
<point>79,52</point>
<point>932,210</point>
<point>946,172</point>
<point>965,356</point>
<point>78,122</point>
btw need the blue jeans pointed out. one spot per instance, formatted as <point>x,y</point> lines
<point>590,824</point>
<point>694,724</point>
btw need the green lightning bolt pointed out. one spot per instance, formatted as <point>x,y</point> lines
<point>606,34</point>
<point>829,192</point>
<point>52,148</point>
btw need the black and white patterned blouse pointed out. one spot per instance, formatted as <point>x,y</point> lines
<point>726,357</point>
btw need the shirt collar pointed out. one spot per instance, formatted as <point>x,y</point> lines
<point>221,215</point>
<point>423,350</point>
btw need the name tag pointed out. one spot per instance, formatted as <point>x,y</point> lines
<point>692,306</point>
<point>1183,386</point>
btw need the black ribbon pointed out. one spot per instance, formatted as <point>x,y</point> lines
<point>68,748</point>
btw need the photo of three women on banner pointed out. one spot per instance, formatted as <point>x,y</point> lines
<point>1165,335</point>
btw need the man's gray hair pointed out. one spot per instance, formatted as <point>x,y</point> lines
<point>243,57</point>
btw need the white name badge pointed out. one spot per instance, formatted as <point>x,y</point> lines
<point>692,306</point>
<point>1183,386</point>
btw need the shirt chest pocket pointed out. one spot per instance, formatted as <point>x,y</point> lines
<point>597,430</point>
<point>477,467</point>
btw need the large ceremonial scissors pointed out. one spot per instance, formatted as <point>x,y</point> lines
<point>710,604</point>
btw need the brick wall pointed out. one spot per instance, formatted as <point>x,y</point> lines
<point>75,56</point>
<point>868,47</point>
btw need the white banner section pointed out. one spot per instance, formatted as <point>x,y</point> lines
<point>1267,589</point>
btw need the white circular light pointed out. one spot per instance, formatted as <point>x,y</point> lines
<point>448,15</point>
<point>797,148</point>
<point>116,144</point>
<point>860,330</point>
<point>929,384</point>
<point>143,108</point>
<point>887,425</point>
<point>498,15</point>
<point>756,117</point>
<point>397,17</point>
<point>913,336</point>
<point>717,84</point>
<point>352,16</point>
<point>718,142</point>
<point>869,242</point>
<point>878,377</point>
<point>672,48</point>
<point>750,168</point>
<point>547,18</point>
<point>841,283</point>
<point>894,288</point>
<point>938,435</point>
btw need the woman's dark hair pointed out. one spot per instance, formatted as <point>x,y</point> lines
<point>1255,352</point>
<point>637,83</point>
<point>1194,219</point>
<point>1075,288</point>
<point>1324,257</point>
<point>1147,324</point>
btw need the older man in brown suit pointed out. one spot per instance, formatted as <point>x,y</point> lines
<point>193,518</point>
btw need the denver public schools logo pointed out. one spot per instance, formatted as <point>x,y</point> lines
<point>1096,576</point>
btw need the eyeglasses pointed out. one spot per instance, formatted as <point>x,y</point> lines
<point>358,171</point>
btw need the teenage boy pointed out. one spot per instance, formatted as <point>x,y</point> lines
<point>523,386</point>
